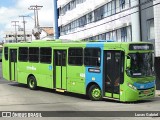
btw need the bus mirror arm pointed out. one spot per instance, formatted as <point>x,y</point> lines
<point>128,63</point>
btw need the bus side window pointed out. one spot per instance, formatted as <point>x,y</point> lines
<point>34,54</point>
<point>92,56</point>
<point>75,56</point>
<point>23,54</point>
<point>6,53</point>
<point>45,55</point>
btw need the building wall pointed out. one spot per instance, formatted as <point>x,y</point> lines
<point>118,21</point>
<point>156,8</point>
<point>146,15</point>
<point>10,36</point>
<point>157,26</point>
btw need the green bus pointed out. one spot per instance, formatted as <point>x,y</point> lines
<point>114,70</point>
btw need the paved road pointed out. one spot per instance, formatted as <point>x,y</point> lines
<point>17,97</point>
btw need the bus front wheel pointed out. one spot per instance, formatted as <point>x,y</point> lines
<point>32,83</point>
<point>95,93</point>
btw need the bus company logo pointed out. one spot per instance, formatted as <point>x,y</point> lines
<point>50,67</point>
<point>30,68</point>
<point>6,114</point>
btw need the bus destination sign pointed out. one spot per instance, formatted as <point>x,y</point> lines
<point>140,47</point>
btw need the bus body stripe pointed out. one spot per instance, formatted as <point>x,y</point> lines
<point>96,77</point>
<point>144,85</point>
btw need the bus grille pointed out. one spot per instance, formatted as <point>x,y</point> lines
<point>147,92</point>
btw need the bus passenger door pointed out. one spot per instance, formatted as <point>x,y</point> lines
<point>13,65</point>
<point>113,73</point>
<point>60,69</point>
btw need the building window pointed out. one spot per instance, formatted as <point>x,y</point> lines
<point>151,34</point>
<point>117,6</point>
<point>108,36</point>
<point>113,6</point>
<point>82,21</point>
<point>23,54</point>
<point>114,36</point>
<point>6,53</point>
<point>129,34</point>
<point>119,35</point>
<point>45,55</point>
<point>122,4</point>
<point>75,56</point>
<point>124,34</point>
<point>70,6</point>
<point>98,13</point>
<point>92,56</point>
<point>109,8</point>
<point>102,36</point>
<point>90,17</point>
<point>34,54</point>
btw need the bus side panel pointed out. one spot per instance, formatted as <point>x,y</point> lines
<point>76,79</point>
<point>23,72</point>
<point>43,74</point>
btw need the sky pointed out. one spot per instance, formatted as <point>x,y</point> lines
<point>10,10</point>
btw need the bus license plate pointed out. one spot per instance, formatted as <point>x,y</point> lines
<point>146,91</point>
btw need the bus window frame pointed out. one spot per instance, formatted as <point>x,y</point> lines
<point>99,57</point>
<point>34,55</point>
<point>6,54</point>
<point>23,54</point>
<point>76,56</point>
<point>45,55</point>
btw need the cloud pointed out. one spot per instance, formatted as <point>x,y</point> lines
<point>12,13</point>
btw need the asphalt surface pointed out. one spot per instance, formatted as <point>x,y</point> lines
<point>17,97</point>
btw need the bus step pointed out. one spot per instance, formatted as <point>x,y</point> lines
<point>60,90</point>
<point>116,99</point>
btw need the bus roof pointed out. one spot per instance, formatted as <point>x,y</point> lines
<point>59,42</point>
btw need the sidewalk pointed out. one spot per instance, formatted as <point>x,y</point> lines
<point>158,92</point>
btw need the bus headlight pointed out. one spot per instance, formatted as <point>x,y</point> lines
<point>132,86</point>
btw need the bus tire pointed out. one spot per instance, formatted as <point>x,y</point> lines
<point>32,83</point>
<point>95,93</point>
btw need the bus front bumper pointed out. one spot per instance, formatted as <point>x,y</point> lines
<point>131,95</point>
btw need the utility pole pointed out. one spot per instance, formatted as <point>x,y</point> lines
<point>36,31</point>
<point>15,24</point>
<point>55,17</point>
<point>24,26</point>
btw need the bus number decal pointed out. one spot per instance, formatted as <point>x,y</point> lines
<point>82,75</point>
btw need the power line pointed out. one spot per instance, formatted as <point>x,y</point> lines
<point>146,2</point>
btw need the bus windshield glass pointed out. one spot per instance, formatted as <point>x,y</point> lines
<point>142,64</point>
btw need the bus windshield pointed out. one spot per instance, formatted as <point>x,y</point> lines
<point>142,64</point>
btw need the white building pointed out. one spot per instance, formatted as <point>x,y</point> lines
<point>10,36</point>
<point>47,33</point>
<point>99,19</point>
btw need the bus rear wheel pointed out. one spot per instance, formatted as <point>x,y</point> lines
<point>32,83</point>
<point>95,93</point>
